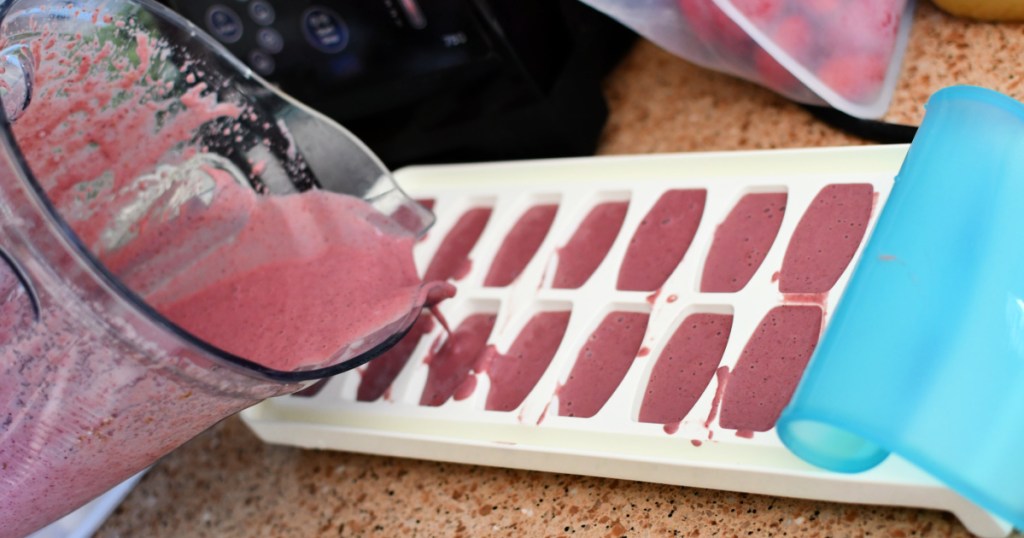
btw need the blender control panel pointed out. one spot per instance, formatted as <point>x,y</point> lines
<point>342,43</point>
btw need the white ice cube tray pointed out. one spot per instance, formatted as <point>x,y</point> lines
<point>612,443</point>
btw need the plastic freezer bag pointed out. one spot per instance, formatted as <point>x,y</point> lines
<point>841,53</point>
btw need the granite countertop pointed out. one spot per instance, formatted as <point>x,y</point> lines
<point>226,482</point>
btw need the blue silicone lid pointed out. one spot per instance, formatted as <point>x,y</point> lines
<point>924,356</point>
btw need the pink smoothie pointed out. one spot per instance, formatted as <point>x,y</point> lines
<point>16,310</point>
<point>521,244</point>
<point>826,238</point>
<point>451,261</point>
<point>460,357</point>
<point>685,368</point>
<point>602,363</point>
<point>289,281</point>
<point>579,258</point>
<point>261,290</point>
<point>661,240</point>
<point>742,241</point>
<point>514,374</point>
<point>769,368</point>
<point>241,271</point>
<point>378,375</point>
<point>313,389</point>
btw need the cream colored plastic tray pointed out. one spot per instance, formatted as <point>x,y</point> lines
<point>612,443</point>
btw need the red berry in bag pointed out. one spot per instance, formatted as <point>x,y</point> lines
<point>794,35</point>
<point>820,8</point>
<point>732,39</point>
<point>869,25</point>
<point>715,29</point>
<point>760,12</point>
<point>697,14</point>
<point>857,77</point>
<point>772,74</point>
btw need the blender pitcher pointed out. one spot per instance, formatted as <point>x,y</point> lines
<point>173,234</point>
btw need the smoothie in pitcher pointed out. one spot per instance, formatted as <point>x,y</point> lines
<point>290,282</point>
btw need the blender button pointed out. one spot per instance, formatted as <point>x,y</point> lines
<point>262,12</point>
<point>270,40</point>
<point>325,29</point>
<point>224,23</point>
<point>261,62</point>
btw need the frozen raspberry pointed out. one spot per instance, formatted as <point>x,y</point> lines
<point>794,35</point>
<point>772,74</point>
<point>856,76</point>
<point>760,12</point>
<point>870,25</point>
<point>712,27</point>
<point>820,8</point>
<point>732,39</point>
<point>697,14</point>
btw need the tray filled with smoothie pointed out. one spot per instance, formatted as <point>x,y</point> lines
<point>635,317</point>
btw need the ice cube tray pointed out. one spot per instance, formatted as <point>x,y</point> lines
<point>697,451</point>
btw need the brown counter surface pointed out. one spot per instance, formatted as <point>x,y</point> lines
<point>228,483</point>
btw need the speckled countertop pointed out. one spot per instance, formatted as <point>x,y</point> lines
<point>228,483</point>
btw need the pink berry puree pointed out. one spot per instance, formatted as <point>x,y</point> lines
<point>685,367</point>
<point>514,374</point>
<point>748,396</point>
<point>602,363</point>
<point>520,245</point>
<point>579,258</point>
<point>241,271</point>
<point>661,240</point>
<point>15,306</point>
<point>770,367</point>
<point>378,375</point>
<point>452,368</point>
<point>290,281</point>
<point>749,391</point>
<point>742,241</point>
<point>451,261</point>
<point>826,238</point>
<point>278,300</point>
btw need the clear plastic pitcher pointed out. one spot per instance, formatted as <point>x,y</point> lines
<point>136,155</point>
